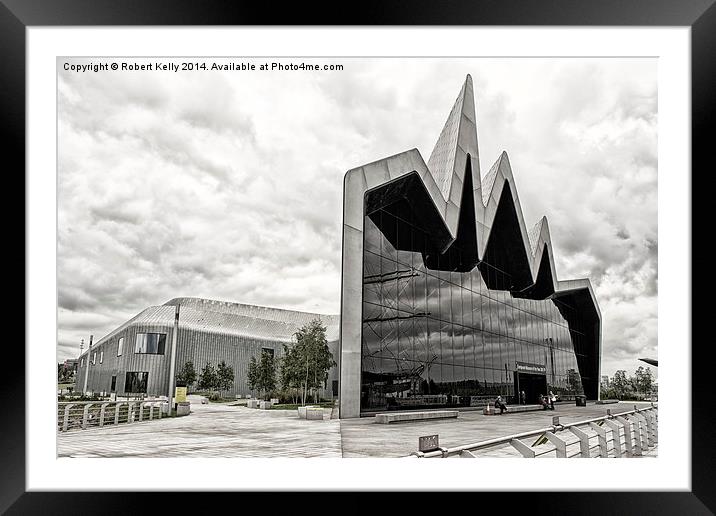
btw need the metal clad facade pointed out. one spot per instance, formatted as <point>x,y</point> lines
<point>209,331</point>
<point>100,374</point>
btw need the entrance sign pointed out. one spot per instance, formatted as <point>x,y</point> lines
<point>180,393</point>
<point>524,367</point>
<point>428,443</point>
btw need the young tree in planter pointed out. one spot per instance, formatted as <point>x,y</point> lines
<point>187,375</point>
<point>224,377</point>
<point>252,375</point>
<point>314,357</point>
<point>267,373</point>
<point>291,372</point>
<point>207,378</point>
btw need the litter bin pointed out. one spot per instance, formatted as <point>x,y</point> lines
<point>581,401</point>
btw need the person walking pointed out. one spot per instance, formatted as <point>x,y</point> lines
<point>552,399</point>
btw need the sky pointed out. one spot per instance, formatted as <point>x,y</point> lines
<point>228,184</point>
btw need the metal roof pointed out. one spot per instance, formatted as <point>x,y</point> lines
<point>214,316</point>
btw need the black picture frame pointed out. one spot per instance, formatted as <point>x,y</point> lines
<point>699,15</point>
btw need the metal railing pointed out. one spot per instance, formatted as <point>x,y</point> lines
<point>626,434</point>
<point>88,414</point>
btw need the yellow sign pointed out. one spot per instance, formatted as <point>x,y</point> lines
<point>180,394</point>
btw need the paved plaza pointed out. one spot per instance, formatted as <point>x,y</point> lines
<point>213,430</point>
<point>362,438</point>
<point>221,430</point>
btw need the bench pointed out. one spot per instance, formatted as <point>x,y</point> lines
<point>490,410</point>
<point>302,410</point>
<point>314,413</point>
<point>396,417</point>
<point>606,402</point>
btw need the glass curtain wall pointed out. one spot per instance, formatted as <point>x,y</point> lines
<point>434,338</point>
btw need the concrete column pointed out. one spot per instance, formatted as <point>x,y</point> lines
<point>559,444</point>
<point>601,438</point>
<point>628,436</point>
<point>66,419</point>
<point>616,437</point>
<point>583,442</point>
<point>102,410</point>
<point>521,447</point>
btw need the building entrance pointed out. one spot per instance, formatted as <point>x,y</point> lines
<point>532,384</point>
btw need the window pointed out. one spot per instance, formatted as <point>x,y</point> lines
<point>94,358</point>
<point>101,356</point>
<point>120,346</point>
<point>113,387</point>
<point>461,338</point>
<point>136,381</point>
<point>82,362</point>
<point>150,343</point>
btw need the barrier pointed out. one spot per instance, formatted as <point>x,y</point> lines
<point>627,434</point>
<point>88,414</point>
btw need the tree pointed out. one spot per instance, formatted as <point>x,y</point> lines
<point>224,377</point>
<point>261,375</point>
<point>252,374</point>
<point>64,375</point>
<point>61,373</point>
<point>207,378</point>
<point>643,381</point>
<point>267,373</point>
<point>620,384</point>
<point>187,375</point>
<point>313,358</point>
<point>291,370</point>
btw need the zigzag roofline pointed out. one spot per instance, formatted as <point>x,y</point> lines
<point>360,180</point>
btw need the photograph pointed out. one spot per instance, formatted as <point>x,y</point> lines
<point>357,257</point>
<point>316,251</point>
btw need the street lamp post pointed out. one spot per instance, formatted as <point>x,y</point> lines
<point>89,353</point>
<point>551,356</point>
<point>173,357</point>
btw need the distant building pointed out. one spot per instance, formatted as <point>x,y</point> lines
<point>135,357</point>
<point>71,365</point>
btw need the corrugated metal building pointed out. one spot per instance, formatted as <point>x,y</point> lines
<point>136,356</point>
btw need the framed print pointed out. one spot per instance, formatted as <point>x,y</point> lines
<point>331,248</point>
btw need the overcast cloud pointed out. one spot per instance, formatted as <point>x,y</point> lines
<point>228,185</point>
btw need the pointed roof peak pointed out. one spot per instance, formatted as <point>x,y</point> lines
<point>459,131</point>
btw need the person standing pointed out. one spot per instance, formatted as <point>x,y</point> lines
<point>552,399</point>
<point>523,398</point>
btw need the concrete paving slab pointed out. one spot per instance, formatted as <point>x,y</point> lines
<point>213,430</point>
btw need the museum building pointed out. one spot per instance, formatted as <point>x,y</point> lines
<point>134,359</point>
<point>447,299</point>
